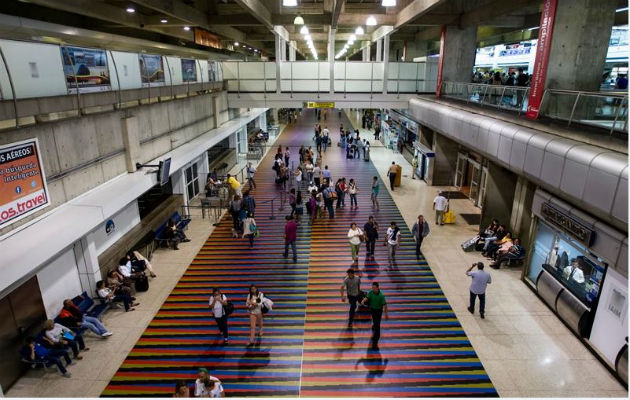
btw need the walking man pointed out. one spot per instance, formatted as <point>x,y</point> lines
<point>440,203</point>
<point>480,281</point>
<point>352,285</point>
<point>378,304</point>
<point>392,241</point>
<point>371,234</point>
<point>419,231</point>
<point>250,175</point>
<point>290,237</point>
<point>393,170</point>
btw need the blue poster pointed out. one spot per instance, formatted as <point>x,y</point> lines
<point>189,70</point>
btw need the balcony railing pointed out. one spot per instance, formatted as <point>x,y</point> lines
<point>607,110</point>
<point>314,77</point>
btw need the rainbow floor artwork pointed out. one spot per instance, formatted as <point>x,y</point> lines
<point>307,349</point>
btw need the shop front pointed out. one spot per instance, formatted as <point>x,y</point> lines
<point>390,132</point>
<point>578,266</point>
<point>471,176</point>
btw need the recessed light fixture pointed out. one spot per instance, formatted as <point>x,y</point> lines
<point>244,46</point>
<point>370,21</point>
<point>621,9</point>
<point>236,44</point>
<point>187,28</point>
<point>304,30</point>
<point>131,10</point>
<point>164,20</point>
<point>359,30</point>
<point>388,3</point>
<point>289,3</point>
<point>298,20</point>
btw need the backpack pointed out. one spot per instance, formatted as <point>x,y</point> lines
<point>228,308</point>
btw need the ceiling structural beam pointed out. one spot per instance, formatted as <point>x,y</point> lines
<point>235,20</point>
<point>416,9</point>
<point>312,19</point>
<point>336,12</point>
<point>179,10</point>
<point>493,10</point>
<point>258,10</point>
<point>324,36</point>
<point>431,33</point>
<point>381,32</point>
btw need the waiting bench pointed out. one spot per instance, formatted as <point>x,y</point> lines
<point>88,307</point>
<point>180,223</point>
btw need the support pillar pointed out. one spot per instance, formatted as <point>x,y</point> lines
<point>379,50</point>
<point>131,140</point>
<point>460,48</point>
<point>331,58</point>
<point>499,198</point>
<point>579,44</point>
<point>278,60</point>
<point>522,216</point>
<point>274,116</point>
<point>415,49</point>
<point>365,52</point>
<point>445,160</point>
<point>385,62</point>
<point>292,45</point>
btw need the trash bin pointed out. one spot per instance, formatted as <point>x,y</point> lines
<point>398,175</point>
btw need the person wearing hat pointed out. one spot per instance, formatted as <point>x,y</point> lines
<point>207,385</point>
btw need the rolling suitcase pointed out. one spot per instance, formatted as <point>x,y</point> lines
<point>142,283</point>
<point>469,245</point>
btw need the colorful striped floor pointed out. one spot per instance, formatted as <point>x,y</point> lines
<point>307,349</point>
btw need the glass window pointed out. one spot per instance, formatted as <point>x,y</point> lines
<point>569,262</point>
<point>192,181</point>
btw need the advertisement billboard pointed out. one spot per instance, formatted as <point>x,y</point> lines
<point>85,69</point>
<point>151,69</point>
<point>23,190</point>
<point>189,70</point>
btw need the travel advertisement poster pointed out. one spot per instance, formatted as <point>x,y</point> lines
<point>151,69</point>
<point>85,69</point>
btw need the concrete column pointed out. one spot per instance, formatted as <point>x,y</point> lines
<point>522,216</point>
<point>416,49</point>
<point>278,60</point>
<point>385,62</point>
<point>283,49</point>
<point>131,140</point>
<point>274,116</point>
<point>87,263</point>
<point>331,58</point>
<point>365,52</point>
<point>368,46</point>
<point>579,44</point>
<point>379,50</point>
<point>262,121</point>
<point>292,45</point>
<point>445,160</point>
<point>499,199</point>
<point>460,48</point>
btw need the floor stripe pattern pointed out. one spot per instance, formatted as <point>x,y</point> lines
<point>307,349</point>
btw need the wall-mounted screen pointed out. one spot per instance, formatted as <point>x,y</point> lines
<point>85,69</point>
<point>164,171</point>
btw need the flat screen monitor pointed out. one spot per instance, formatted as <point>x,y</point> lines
<point>164,171</point>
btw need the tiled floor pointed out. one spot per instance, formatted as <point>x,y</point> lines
<point>526,351</point>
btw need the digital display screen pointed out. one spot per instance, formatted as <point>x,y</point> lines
<point>164,171</point>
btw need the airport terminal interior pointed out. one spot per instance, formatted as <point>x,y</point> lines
<point>314,198</point>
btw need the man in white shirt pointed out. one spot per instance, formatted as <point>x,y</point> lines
<point>440,203</point>
<point>207,385</point>
<point>392,240</point>
<point>480,281</point>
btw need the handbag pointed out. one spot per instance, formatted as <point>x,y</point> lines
<point>362,238</point>
<point>228,308</point>
<point>266,306</point>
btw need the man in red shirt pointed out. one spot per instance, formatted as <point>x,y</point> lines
<point>290,237</point>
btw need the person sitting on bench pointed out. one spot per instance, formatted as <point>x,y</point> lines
<point>105,293</point>
<point>128,270</point>
<point>513,253</point>
<point>139,262</point>
<point>59,337</point>
<point>34,352</point>
<point>118,284</point>
<point>74,319</point>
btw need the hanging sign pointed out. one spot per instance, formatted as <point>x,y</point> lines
<point>316,104</point>
<point>537,87</point>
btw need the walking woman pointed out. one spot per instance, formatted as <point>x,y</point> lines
<point>250,229</point>
<point>353,190</point>
<point>355,235</point>
<point>375,190</point>
<point>299,206</point>
<point>217,303</point>
<point>254,306</point>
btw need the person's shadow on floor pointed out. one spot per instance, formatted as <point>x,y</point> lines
<point>254,358</point>
<point>374,363</point>
<point>345,341</point>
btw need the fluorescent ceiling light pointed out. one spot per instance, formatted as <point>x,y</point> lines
<point>353,37</point>
<point>359,30</point>
<point>304,30</point>
<point>298,20</point>
<point>307,37</point>
<point>187,28</point>
<point>370,21</point>
<point>164,20</point>
<point>534,28</point>
<point>388,3</point>
<point>131,10</point>
<point>621,9</point>
<point>289,3</point>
